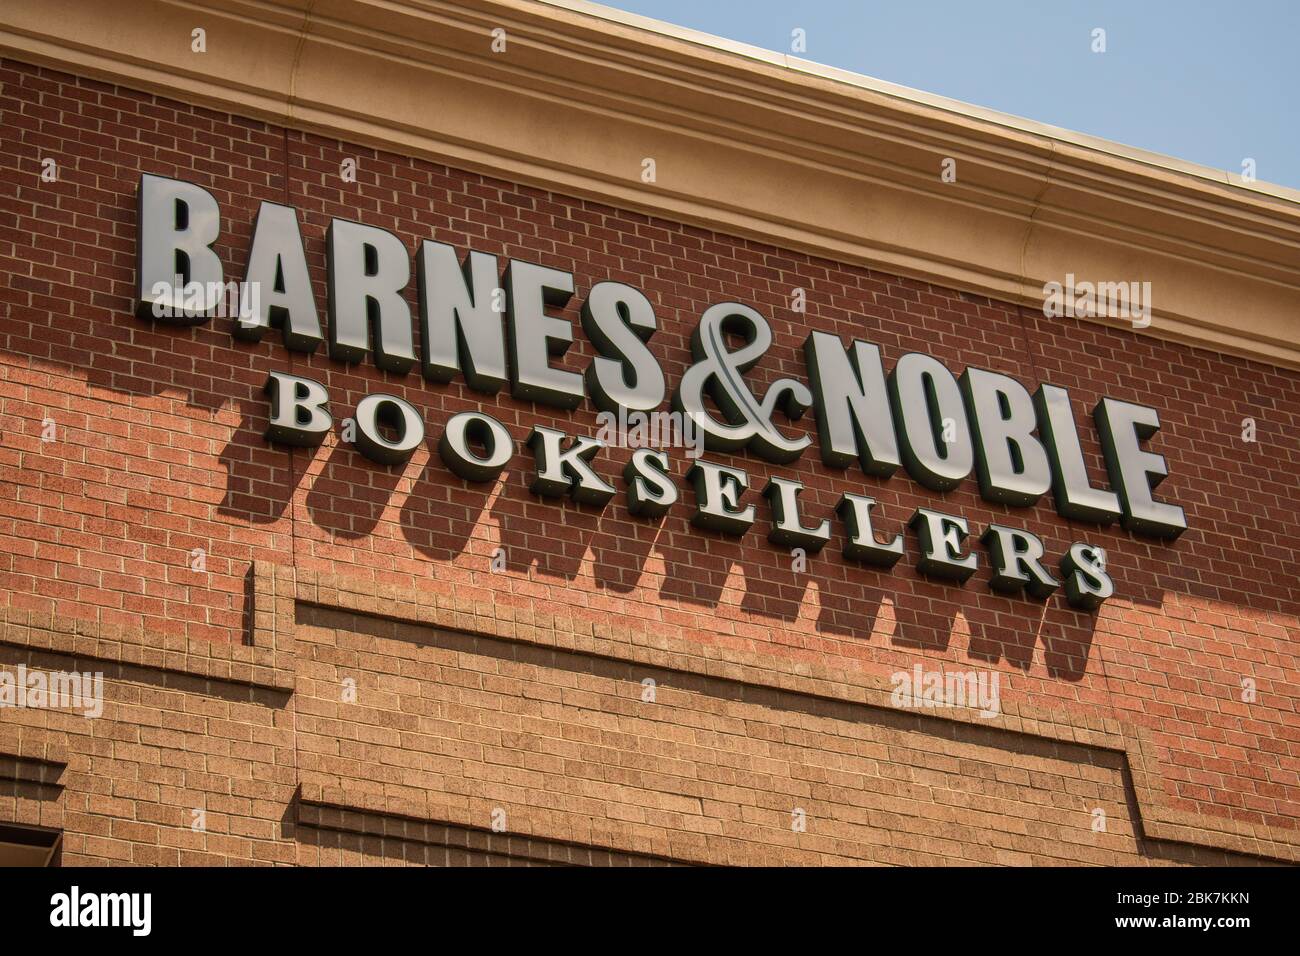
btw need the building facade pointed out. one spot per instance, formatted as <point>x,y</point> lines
<point>395,635</point>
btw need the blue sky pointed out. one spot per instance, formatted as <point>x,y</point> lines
<point>1212,83</point>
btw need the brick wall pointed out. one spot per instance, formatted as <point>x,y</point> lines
<point>158,450</point>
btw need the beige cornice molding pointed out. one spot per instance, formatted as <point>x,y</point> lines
<point>744,141</point>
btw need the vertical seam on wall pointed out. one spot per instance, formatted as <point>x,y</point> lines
<point>297,58</point>
<point>1024,247</point>
<point>293,89</point>
<point>1037,377</point>
<point>293,462</point>
<point>293,470</point>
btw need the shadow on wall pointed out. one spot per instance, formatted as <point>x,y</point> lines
<point>689,566</point>
<point>346,496</point>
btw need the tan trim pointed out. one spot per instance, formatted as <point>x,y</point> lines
<point>745,141</point>
<point>278,590</point>
<point>652,646</point>
<point>32,766</point>
<point>944,103</point>
<point>31,759</point>
<point>264,665</point>
<point>326,807</point>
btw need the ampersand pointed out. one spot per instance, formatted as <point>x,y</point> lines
<point>719,373</point>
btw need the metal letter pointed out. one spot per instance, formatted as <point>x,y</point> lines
<point>1134,472</point>
<point>650,489</point>
<point>178,223</point>
<point>277,269</point>
<point>1087,583</point>
<point>619,320</point>
<point>941,536</point>
<point>299,412</point>
<point>1009,461</point>
<point>1017,562</point>
<point>1076,499</point>
<point>568,471</point>
<point>401,416</point>
<point>926,403</point>
<point>717,498</point>
<point>852,404</point>
<point>787,530</point>
<point>459,329</point>
<point>456,447</point>
<point>534,335</point>
<point>855,512</point>
<point>719,372</point>
<point>368,269</point>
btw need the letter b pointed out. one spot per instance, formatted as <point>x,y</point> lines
<point>299,412</point>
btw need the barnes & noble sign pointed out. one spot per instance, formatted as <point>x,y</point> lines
<point>493,329</point>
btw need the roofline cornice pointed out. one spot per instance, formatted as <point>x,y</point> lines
<point>745,141</point>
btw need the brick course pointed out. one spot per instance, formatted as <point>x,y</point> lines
<point>223,696</point>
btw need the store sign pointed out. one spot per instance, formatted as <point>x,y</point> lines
<point>494,330</point>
